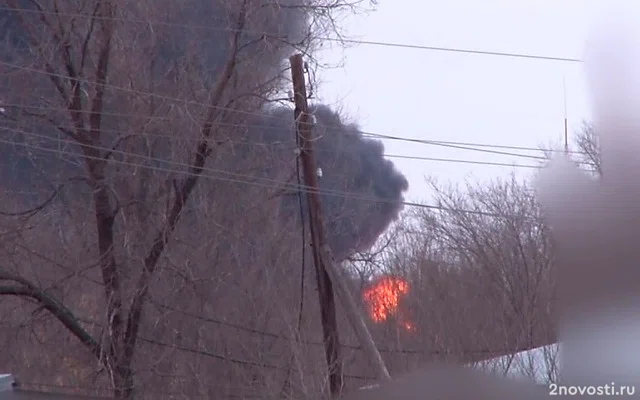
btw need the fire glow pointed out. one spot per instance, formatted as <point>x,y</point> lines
<point>383,300</point>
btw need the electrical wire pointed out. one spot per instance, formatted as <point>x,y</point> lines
<point>317,342</point>
<point>221,357</point>
<point>390,137</point>
<point>209,354</point>
<point>445,144</point>
<point>329,128</point>
<point>303,239</point>
<point>303,233</point>
<point>263,115</point>
<point>250,113</point>
<point>453,160</point>
<point>455,143</point>
<point>452,144</point>
<point>134,91</point>
<point>251,180</point>
<point>459,145</point>
<point>326,39</point>
<point>459,50</point>
<point>343,150</point>
<point>10,65</point>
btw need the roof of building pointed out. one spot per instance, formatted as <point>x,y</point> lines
<point>10,391</point>
<point>18,394</point>
<point>539,365</point>
<point>452,382</point>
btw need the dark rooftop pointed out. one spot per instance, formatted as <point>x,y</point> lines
<point>9,390</point>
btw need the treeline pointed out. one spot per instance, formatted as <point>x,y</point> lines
<point>241,319</point>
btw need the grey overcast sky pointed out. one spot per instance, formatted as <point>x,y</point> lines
<point>450,96</point>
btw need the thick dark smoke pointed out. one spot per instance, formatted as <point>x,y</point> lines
<point>368,188</point>
<point>192,32</point>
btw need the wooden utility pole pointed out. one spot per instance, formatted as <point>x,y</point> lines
<point>310,174</point>
<point>326,269</point>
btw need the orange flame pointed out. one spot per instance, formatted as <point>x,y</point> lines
<point>383,298</point>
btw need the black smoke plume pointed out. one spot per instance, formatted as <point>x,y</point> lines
<point>192,32</point>
<point>366,189</point>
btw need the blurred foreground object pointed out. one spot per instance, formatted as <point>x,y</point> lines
<point>445,382</point>
<point>596,223</point>
<point>596,227</point>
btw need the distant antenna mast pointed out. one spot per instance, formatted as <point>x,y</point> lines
<point>566,124</point>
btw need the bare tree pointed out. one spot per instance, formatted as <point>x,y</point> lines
<point>503,251</point>
<point>587,142</point>
<point>480,272</point>
<point>124,110</point>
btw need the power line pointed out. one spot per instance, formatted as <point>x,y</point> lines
<point>315,343</point>
<point>138,92</point>
<point>347,149</point>
<point>455,146</point>
<point>213,355</point>
<point>235,177</point>
<point>467,146</point>
<point>209,354</point>
<point>194,351</point>
<point>489,163</point>
<point>303,230</point>
<point>459,50</point>
<point>263,115</point>
<point>352,150</point>
<point>474,144</point>
<point>129,154</point>
<point>382,136</point>
<point>326,192</point>
<point>327,39</point>
<point>10,65</point>
<point>241,178</point>
<point>452,144</point>
<point>250,125</point>
<point>232,360</point>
